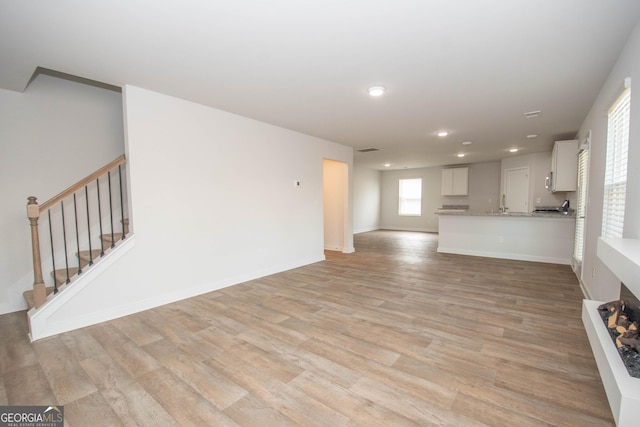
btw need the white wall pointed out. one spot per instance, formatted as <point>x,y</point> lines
<point>598,281</point>
<point>366,199</point>
<point>484,185</point>
<point>389,217</point>
<point>52,135</point>
<point>213,203</point>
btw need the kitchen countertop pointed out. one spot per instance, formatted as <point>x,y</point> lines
<point>459,212</point>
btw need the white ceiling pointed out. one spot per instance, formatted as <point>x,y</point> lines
<point>471,67</point>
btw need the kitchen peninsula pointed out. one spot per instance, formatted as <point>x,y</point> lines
<point>535,236</point>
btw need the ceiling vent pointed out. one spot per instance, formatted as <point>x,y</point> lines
<point>368,150</point>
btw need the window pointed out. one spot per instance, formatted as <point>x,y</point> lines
<point>583,165</point>
<point>615,176</point>
<point>410,200</point>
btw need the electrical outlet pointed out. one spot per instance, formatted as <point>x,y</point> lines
<point>296,183</point>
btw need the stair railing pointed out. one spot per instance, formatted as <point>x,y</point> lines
<point>79,231</point>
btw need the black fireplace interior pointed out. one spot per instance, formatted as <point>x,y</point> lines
<point>629,355</point>
<point>632,303</point>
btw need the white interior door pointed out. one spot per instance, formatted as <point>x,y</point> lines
<point>516,189</point>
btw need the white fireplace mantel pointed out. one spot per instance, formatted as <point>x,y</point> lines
<point>622,257</point>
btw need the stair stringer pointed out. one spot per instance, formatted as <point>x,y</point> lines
<point>40,325</point>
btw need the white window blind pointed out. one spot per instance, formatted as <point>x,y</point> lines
<point>410,200</point>
<point>615,177</point>
<point>583,164</point>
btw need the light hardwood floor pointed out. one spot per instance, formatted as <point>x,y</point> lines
<point>392,335</point>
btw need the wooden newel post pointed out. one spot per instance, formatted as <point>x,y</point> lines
<point>39,288</point>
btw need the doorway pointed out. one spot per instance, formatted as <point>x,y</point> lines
<point>335,198</point>
<point>515,196</point>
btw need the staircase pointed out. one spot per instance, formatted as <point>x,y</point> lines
<point>92,204</point>
<point>86,259</point>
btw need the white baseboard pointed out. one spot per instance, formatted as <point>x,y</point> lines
<point>418,229</point>
<point>365,230</point>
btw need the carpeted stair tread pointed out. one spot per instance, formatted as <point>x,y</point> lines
<point>30,298</point>
<point>61,275</point>
<point>86,256</point>
<point>107,238</point>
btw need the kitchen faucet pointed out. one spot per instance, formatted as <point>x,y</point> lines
<point>503,208</point>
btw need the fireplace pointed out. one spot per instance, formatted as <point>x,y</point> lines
<point>622,257</point>
<point>623,323</point>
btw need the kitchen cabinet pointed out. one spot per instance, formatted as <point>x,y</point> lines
<point>564,167</point>
<point>455,182</point>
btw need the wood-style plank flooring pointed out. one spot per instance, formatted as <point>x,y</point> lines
<point>392,335</point>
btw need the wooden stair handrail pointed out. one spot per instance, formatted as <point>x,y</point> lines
<point>80,184</point>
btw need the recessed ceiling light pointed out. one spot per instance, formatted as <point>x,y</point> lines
<point>443,133</point>
<point>386,165</point>
<point>531,136</point>
<point>513,150</point>
<point>467,143</point>
<point>376,90</point>
<point>461,155</point>
<point>532,114</point>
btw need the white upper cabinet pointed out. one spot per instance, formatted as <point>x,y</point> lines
<point>564,166</point>
<point>455,182</point>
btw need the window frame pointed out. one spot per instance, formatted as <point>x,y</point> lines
<point>616,164</point>
<point>581,199</point>
<point>403,201</point>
